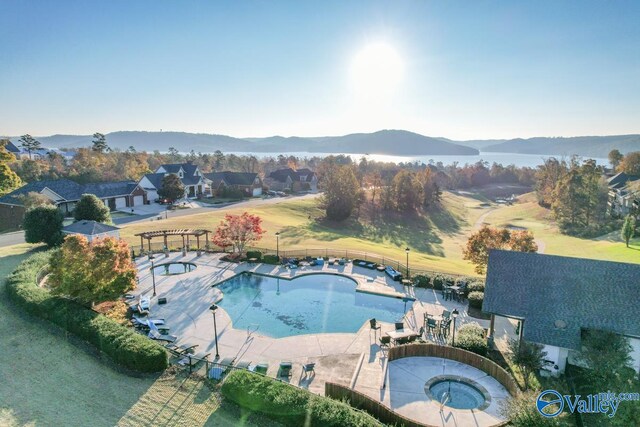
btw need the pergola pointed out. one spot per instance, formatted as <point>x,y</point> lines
<point>178,232</point>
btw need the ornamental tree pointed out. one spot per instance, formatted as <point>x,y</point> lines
<point>172,188</point>
<point>43,224</point>
<point>91,208</point>
<point>487,238</point>
<point>628,229</point>
<point>92,272</point>
<point>238,231</point>
<point>528,356</point>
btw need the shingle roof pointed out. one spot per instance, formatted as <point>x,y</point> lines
<point>89,228</point>
<point>232,178</point>
<point>155,179</point>
<point>620,180</point>
<point>189,169</point>
<point>282,174</point>
<point>70,190</point>
<point>543,289</point>
<point>12,148</point>
<point>172,167</point>
<point>67,189</point>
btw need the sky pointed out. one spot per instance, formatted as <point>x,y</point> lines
<point>461,70</point>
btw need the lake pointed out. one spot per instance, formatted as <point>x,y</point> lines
<point>520,160</point>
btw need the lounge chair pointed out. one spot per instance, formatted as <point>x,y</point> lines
<point>145,321</point>
<point>309,368</point>
<point>285,369</point>
<point>243,364</point>
<point>219,369</point>
<point>193,359</point>
<point>374,324</point>
<point>385,341</point>
<point>181,349</point>
<point>145,303</point>
<point>261,368</point>
<point>155,334</point>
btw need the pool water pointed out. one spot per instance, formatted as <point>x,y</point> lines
<point>309,304</point>
<point>172,268</point>
<point>461,394</point>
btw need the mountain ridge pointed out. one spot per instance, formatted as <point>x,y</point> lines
<point>389,142</point>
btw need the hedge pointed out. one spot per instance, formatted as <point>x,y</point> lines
<point>271,259</point>
<point>290,405</point>
<point>254,254</point>
<point>121,344</point>
<point>475,299</point>
<point>475,287</point>
<point>471,337</point>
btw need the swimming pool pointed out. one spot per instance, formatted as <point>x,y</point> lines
<point>309,304</point>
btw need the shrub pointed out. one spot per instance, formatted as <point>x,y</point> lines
<point>124,346</point>
<point>90,208</point>
<point>471,337</point>
<point>43,224</point>
<point>440,280</point>
<point>422,280</point>
<point>254,254</point>
<point>475,299</point>
<point>475,287</point>
<point>271,259</point>
<point>290,405</point>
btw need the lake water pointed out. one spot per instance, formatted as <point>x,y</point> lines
<point>520,160</point>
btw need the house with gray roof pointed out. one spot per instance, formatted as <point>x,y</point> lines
<point>92,230</point>
<point>65,193</point>
<point>556,298</point>
<point>189,174</point>
<point>623,195</point>
<point>294,180</point>
<point>249,183</point>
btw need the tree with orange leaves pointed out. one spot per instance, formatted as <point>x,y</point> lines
<point>487,238</point>
<point>92,272</point>
<point>237,231</point>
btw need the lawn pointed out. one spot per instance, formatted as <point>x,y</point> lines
<point>51,379</point>
<point>436,239</point>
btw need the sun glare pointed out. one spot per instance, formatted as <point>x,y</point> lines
<point>377,69</point>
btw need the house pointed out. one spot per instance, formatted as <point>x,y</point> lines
<point>623,193</point>
<point>40,153</point>
<point>293,180</point>
<point>65,193</point>
<point>190,175</point>
<point>11,148</point>
<point>555,298</point>
<point>92,230</point>
<point>249,183</point>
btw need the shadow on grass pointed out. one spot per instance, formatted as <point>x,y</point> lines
<point>420,230</point>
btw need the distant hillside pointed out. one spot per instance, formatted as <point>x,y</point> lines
<point>596,146</point>
<point>394,142</point>
<point>391,142</point>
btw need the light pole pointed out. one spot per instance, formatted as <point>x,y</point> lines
<point>278,245</point>
<point>407,251</point>
<point>454,314</point>
<point>213,309</point>
<point>153,278</point>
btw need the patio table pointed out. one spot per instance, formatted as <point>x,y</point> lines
<point>402,333</point>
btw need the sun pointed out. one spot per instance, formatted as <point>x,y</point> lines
<point>377,70</point>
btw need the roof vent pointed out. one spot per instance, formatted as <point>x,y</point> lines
<point>560,324</point>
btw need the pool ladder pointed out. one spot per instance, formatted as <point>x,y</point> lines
<point>444,399</point>
<point>252,328</point>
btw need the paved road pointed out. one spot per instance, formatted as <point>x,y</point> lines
<point>15,238</point>
<point>10,239</point>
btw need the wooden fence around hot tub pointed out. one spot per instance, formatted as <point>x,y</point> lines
<point>459,355</point>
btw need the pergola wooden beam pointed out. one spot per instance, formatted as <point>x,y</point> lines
<point>149,235</point>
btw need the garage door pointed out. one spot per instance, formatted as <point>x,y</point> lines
<point>138,200</point>
<point>152,195</point>
<point>257,191</point>
<point>121,202</point>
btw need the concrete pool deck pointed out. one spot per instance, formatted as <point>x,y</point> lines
<point>337,355</point>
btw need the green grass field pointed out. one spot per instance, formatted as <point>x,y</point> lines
<point>436,239</point>
<point>51,379</point>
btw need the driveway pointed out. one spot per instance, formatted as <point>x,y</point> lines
<point>10,239</point>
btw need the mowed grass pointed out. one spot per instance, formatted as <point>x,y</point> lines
<point>528,214</point>
<point>435,239</point>
<point>49,379</point>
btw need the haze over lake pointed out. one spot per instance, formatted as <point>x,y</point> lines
<point>520,160</point>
